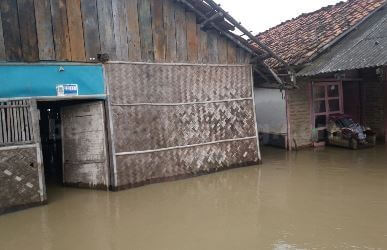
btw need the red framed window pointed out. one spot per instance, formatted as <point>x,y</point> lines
<point>327,99</point>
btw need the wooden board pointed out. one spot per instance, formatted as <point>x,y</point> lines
<point>181,34</point>
<point>170,30</point>
<point>133,31</point>
<point>192,37</point>
<point>44,30</point>
<point>2,47</point>
<point>90,29</point>
<point>222,49</point>
<point>60,30</point>
<point>203,45</point>
<point>74,17</point>
<point>28,35</point>
<point>106,29</point>
<point>145,22</point>
<point>10,23</point>
<point>84,145</point>
<point>158,30</point>
<point>231,53</point>
<point>212,40</point>
<point>120,21</point>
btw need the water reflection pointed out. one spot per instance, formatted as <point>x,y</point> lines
<point>326,199</point>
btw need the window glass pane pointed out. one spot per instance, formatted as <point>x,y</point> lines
<point>318,91</point>
<point>333,91</point>
<point>334,105</point>
<point>319,107</point>
<point>321,121</point>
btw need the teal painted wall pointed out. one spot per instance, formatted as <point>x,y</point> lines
<point>41,80</point>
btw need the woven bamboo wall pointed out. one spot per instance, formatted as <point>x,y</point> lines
<point>19,178</point>
<point>177,120</point>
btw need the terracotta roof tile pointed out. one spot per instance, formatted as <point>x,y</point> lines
<point>297,40</point>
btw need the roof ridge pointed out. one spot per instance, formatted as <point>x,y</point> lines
<point>305,15</point>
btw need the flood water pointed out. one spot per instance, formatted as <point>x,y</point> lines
<point>313,199</point>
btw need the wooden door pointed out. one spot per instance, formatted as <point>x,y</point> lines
<point>85,161</point>
<point>327,101</point>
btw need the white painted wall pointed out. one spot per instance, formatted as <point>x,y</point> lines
<point>270,106</point>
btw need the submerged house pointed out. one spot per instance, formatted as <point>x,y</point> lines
<point>339,54</point>
<point>112,94</point>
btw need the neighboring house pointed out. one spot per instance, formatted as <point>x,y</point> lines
<point>128,92</point>
<point>340,55</point>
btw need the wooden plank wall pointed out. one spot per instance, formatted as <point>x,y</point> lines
<point>128,30</point>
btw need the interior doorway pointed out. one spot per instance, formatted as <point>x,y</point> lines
<point>74,147</point>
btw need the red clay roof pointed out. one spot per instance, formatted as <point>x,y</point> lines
<point>297,40</point>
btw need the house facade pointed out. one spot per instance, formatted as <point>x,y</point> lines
<point>339,54</point>
<point>113,94</point>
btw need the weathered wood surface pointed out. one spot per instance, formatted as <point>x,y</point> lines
<point>15,127</point>
<point>90,29</point>
<point>170,31</point>
<point>134,41</point>
<point>44,30</point>
<point>60,30</point>
<point>3,56</point>
<point>28,34</point>
<point>127,30</point>
<point>203,46</point>
<point>158,30</point>
<point>120,20</point>
<point>11,32</point>
<point>106,29</point>
<point>231,53</point>
<point>84,145</point>
<point>192,38</point>
<point>222,48</point>
<point>181,34</point>
<point>74,18</point>
<point>145,24</point>
<point>213,51</point>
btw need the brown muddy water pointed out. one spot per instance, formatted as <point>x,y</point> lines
<point>314,199</point>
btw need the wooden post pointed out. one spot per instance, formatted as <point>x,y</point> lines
<point>384,80</point>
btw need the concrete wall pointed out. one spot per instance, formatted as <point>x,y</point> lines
<point>299,115</point>
<point>373,100</point>
<point>270,106</point>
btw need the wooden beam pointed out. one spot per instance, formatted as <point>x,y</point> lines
<point>75,27</point>
<point>28,35</point>
<point>170,30</point>
<point>158,30</point>
<point>60,30</point>
<point>10,23</point>
<point>106,29</point>
<point>146,34</point>
<point>44,30</point>
<point>133,29</point>
<point>90,29</point>
<point>2,47</point>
